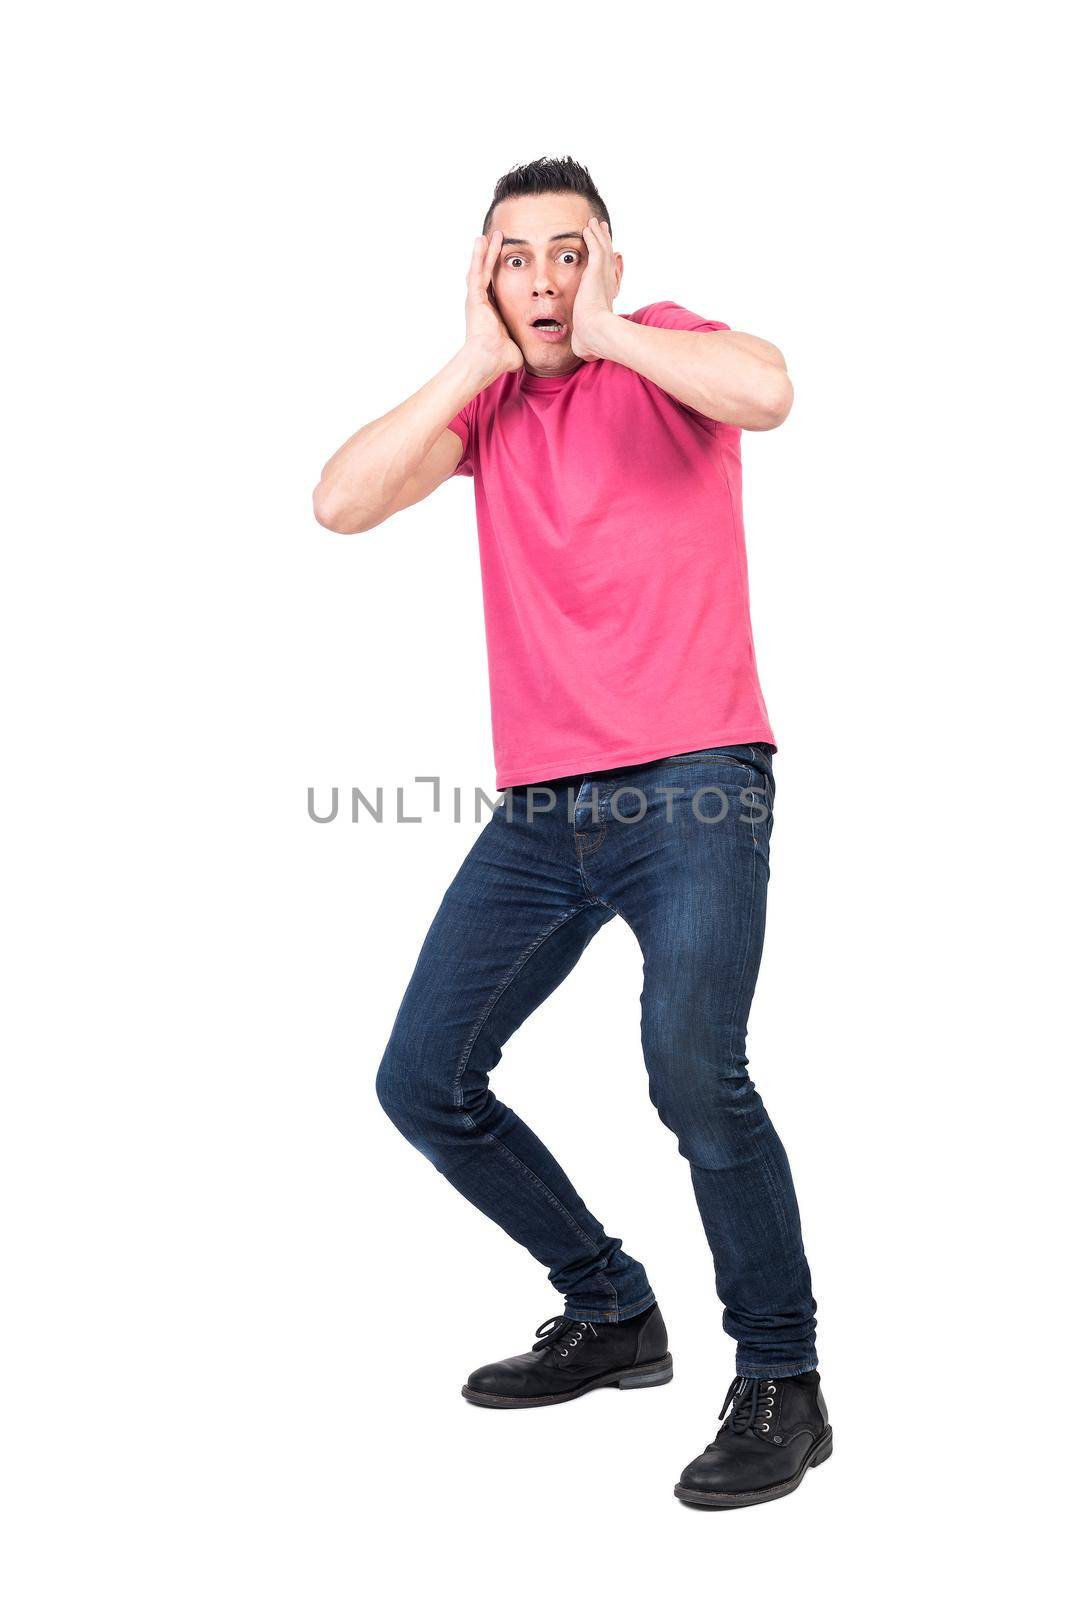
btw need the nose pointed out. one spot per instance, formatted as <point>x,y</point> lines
<point>543,283</point>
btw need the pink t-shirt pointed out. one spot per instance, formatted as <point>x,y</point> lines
<point>613,569</point>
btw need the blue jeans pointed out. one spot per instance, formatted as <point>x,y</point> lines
<point>679,849</point>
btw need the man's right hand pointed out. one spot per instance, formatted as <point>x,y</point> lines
<point>487,336</point>
<point>404,455</point>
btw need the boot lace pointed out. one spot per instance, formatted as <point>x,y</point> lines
<point>563,1333</point>
<point>752,1403</point>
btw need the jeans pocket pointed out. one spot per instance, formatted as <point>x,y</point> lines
<point>712,754</point>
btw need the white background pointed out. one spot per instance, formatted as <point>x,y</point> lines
<point>239,1307</point>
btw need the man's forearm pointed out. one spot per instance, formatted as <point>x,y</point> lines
<point>730,377</point>
<point>363,478</point>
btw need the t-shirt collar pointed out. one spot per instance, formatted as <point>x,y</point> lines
<point>530,380</point>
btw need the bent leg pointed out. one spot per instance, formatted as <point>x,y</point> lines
<point>511,926</point>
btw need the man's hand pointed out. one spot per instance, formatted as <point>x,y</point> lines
<point>592,311</point>
<point>487,337</point>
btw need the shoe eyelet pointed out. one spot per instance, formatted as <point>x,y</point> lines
<point>771,1388</point>
<point>764,1428</point>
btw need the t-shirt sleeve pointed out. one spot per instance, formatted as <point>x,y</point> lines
<point>463,426</point>
<point>666,314</point>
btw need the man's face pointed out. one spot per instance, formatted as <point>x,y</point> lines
<point>537,274</point>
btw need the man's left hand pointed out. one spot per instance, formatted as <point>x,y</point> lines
<point>592,310</point>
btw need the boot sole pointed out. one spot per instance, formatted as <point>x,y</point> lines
<point>819,1452</point>
<point>646,1376</point>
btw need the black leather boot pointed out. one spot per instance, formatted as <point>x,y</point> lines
<point>570,1358</point>
<point>776,1430</point>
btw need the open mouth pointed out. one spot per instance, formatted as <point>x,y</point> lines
<point>550,327</point>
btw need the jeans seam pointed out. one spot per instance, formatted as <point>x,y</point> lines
<point>795,1372</point>
<point>699,758</point>
<point>601,901</point>
<point>580,858</point>
<point>473,1125</point>
<point>773,1186</point>
<point>635,1309</point>
<point>564,1212</point>
<point>507,981</point>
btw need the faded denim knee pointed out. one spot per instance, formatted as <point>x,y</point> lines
<point>703,1093</point>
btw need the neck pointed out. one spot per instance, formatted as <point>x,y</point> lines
<point>553,372</point>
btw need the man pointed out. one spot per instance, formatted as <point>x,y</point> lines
<point>631,736</point>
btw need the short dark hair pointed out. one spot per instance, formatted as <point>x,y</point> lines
<point>548,175</point>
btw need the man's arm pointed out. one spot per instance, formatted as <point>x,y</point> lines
<point>730,377</point>
<point>402,456</point>
<point>727,376</point>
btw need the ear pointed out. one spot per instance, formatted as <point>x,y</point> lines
<point>618,263</point>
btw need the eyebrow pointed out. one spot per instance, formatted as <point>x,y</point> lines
<point>552,237</point>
